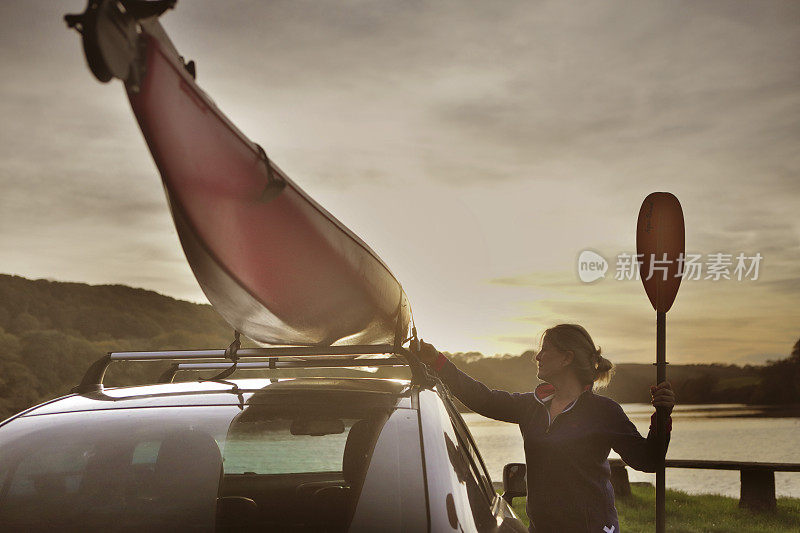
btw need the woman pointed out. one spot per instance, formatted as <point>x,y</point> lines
<point>568,430</point>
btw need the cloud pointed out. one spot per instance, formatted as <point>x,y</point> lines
<point>480,149</point>
<point>527,342</point>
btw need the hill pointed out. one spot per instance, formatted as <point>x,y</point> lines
<point>50,332</point>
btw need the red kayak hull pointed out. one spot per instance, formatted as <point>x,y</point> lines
<point>278,268</point>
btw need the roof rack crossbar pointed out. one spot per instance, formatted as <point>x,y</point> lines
<point>282,351</point>
<point>169,374</point>
<point>349,363</point>
<point>93,379</point>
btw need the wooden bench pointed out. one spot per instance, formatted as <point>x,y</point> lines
<point>757,489</point>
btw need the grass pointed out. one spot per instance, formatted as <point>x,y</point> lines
<point>691,513</point>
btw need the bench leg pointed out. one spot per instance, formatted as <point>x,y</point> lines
<point>619,479</point>
<point>757,490</point>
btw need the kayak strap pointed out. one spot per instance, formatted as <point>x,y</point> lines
<point>420,375</point>
<point>419,371</point>
<point>234,390</point>
<point>231,352</point>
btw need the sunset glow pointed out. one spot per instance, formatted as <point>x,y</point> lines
<point>477,150</point>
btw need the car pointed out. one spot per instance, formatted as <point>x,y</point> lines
<point>295,453</point>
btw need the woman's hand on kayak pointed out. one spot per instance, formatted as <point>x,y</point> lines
<point>662,396</point>
<point>427,353</point>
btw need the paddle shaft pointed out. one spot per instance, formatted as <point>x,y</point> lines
<point>661,419</point>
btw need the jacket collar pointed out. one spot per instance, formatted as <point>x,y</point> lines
<point>544,392</point>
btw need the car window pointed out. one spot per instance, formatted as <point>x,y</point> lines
<point>293,463</point>
<point>57,466</point>
<point>146,452</point>
<point>269,447</point>
<point>142,469</point>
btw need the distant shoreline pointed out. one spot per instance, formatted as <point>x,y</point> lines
<point>762,411</point>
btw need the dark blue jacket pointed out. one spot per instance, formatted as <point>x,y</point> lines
<point>569,485</point>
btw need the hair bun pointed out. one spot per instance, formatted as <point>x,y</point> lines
<point>603,364</point>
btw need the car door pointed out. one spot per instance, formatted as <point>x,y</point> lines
<point>460,493</point>
<point>504,517</point>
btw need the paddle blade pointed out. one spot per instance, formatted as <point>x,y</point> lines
<point>660,241</point>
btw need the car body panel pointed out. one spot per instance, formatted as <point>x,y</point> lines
<point>397,463</point>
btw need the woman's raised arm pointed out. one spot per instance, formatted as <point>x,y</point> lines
<point>497,404</point>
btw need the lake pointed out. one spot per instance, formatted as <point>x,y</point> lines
<point>718,432</point>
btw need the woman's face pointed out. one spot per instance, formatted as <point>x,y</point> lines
<point>551,361</point>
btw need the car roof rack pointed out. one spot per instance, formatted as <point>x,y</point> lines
<point>229,360</point>
<point>275,363</point>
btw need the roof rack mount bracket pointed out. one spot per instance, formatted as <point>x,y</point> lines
<point>93,379</point>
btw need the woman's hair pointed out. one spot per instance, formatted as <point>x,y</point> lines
<point>588,364</point>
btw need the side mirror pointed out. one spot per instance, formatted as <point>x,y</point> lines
<point>514,481</point>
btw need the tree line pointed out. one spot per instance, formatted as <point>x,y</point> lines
<point>775,383</point>
<point>50,332</point>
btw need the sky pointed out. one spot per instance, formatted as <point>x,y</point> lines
<point>477,147</point>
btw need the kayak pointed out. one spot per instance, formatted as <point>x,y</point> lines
<point>272,262</point>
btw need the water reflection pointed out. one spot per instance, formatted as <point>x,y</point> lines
<point>716,432</point>
<point>643,410</point>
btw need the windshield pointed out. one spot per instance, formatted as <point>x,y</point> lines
<point>294,463</point>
